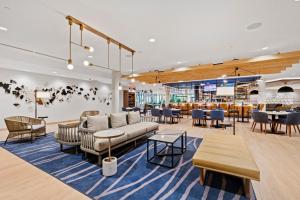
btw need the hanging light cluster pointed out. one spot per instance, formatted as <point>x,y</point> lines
<point>91,49</point>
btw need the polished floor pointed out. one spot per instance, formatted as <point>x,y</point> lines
<point>277,156</point>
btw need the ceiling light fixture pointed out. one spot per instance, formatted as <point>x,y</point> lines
<point>265,48</point>
<point>152,40</point>
<point>90,56</point>
<point>224,75</point>
<point>225,81</point>
<point>90,49</point>
<point>54,72</point>
<point>86,63</point>
<point>132,75</point>
<point>3,28</point>
<point>120,87</point>
<point>143,83</point>
<point>179,62</point>
<point>70,66</point>
<point>254,26</point>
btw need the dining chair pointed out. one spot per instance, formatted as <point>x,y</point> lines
<point>292,119</point>
<point>155,112</point>
<point>261,118</point>
<point>197,116</point>
<point>216,115</point>
<point>168,114</point>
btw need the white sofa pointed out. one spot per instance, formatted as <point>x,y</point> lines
<point>134,126</point>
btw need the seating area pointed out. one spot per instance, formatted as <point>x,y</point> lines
<point>149,100</point>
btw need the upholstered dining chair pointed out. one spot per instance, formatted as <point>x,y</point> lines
<point>197,116</point>
<point>155,112</point>
<point>292,119</point>
<point>167,113</point>
<point>22,125</point>
<point>262,118</point>
<point>216,115</point>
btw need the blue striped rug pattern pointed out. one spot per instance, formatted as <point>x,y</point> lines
<point>136,179</point>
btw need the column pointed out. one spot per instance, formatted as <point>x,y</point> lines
<point>167,91</point>
<point>116,76</point>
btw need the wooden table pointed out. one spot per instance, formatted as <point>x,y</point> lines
<point>109,164</point>
<point>274,114</point>
<point>226,154</point>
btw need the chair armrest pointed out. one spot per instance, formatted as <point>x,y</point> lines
<point>69,125</point>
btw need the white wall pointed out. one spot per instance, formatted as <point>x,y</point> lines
<point>58,111</point>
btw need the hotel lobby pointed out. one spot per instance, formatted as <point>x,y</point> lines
<point>149,100</point>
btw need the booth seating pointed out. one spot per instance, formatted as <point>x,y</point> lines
<point>226,154</point>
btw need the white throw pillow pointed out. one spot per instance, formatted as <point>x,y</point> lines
<point>134,117</point>
<point>97,123</point>
<point>118,120</point>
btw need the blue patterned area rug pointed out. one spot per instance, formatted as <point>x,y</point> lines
<point>136,179</point>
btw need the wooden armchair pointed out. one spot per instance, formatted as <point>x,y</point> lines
<point>84,114</point>
<point>21,125</point>
<point>68,134</point>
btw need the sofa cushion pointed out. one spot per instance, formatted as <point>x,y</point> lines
<point>102,144</point>
<point>133,130</point>
<point>150,126</point>
<point>118,120</point>
<point>134,117</point>
<point>97,123</point>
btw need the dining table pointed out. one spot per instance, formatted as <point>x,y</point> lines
<point>275,114</point>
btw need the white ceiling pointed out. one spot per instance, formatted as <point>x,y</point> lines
<point>193,32</point>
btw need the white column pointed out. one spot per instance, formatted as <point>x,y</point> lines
<point>115,91</point>
<point>261,92</point>
<point>167,91</point>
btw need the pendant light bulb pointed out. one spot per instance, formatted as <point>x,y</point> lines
<point>132,80</point>
<point>120,87</point>
<point>70,66</point>
<point>86,63</point>
<point>91,49</point>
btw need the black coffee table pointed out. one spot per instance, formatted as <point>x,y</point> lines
<point>169,138</point>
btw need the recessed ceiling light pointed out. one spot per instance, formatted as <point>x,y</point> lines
<point>224,75</point>
<point>54,72</point>
<point>297,0</point>
<point>90,56</point>
<point>143,83</point>
<point>265,48</point>
<point>254,26</point>
<point>3,28</point>
<point>179,62</point>
<point>152,40</point>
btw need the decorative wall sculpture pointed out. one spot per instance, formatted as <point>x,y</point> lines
<point>61,94</point>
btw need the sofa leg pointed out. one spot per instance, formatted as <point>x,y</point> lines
<point>99,160</point>
<point>6,140</point>
<point>76,150</point>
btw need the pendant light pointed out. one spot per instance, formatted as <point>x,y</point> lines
<point>132,78</point>
<point>70,66</point>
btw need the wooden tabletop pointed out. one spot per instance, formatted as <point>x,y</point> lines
<point>109,133</point>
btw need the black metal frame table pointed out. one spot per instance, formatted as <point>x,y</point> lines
<point>169,137</point>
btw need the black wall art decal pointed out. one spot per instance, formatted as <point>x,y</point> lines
<point>61,94</point>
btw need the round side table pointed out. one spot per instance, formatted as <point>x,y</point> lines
<point>109,164</point>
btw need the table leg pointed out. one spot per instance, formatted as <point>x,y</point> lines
<point>109,153</point>
<point>273,123</point>
<point>247,187</point>
<point>172,154</point>
<point>202,175</point>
